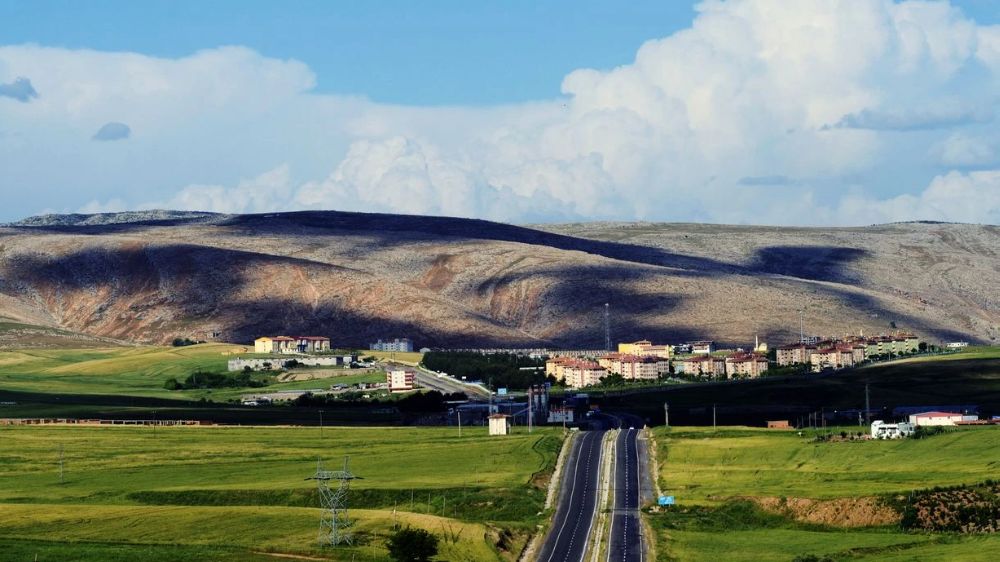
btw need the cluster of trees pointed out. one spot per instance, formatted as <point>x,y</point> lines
<point>201,379</point>
<point>498,369</point>
<point>412,545</point>
<point>182,342</point>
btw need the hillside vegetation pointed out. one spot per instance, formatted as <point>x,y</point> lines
<point>458,283</point>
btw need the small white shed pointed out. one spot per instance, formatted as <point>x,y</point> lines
<point>499,424</point>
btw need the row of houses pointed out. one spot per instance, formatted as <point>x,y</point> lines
<point>286,344</point>
<point>738,365</point>
<point>646,348</point>
<point>843,353</point>
<point>318,344</point>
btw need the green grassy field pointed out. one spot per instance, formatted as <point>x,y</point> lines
<point>701,464</point>
<point>139,371</point>
<point>225,492</point>
<point>411,357</point>
<point>702,467</point>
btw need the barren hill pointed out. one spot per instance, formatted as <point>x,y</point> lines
<point>151,276</point>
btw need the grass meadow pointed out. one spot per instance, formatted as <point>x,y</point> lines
<point>225,493</point>
<point>135,371</point>
<point>706,469</point>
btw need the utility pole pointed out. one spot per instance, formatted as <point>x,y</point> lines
<point>459,422</point>
<point>713,417</point>
<point>868,406</point>
<point>321,423</point>
<point>802,336</point>
<point>666,414</point>
<point>531,406</point>
<point>607,326</point>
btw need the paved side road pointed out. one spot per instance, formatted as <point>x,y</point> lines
<point>625,540</point>
<point>577,506</point>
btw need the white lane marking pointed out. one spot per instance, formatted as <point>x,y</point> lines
<point>638,483</point>
<point>614,506</point>
<point>597,486</point>
<point>572,492</point>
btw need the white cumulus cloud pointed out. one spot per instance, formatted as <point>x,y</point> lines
<point>763,111</point>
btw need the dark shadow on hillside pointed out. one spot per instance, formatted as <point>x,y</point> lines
<point>817,263</point>
<point>387,230</point>
<point>203,282</point>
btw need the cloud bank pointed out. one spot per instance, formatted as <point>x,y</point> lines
<point>762,111</point>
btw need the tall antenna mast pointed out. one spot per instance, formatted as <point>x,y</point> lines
<point>607,326</point>
<point>334,524</point>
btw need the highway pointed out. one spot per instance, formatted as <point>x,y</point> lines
<point>625,535</point>
<point>580,490</point>
<point>446,385</point>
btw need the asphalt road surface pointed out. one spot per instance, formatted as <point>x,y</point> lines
<point>625,542</point>
<point>580,489</point>
<point>445,385</point>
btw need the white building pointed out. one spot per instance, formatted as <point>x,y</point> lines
<point>882,430</point>
<point>402,345</point>
<point>924,419</point>
<point>499,424</point>
<point>400,380</point>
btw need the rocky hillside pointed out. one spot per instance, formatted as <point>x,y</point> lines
<point>152,276</point>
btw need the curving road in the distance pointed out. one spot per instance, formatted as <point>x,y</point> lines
<point>575,513</point>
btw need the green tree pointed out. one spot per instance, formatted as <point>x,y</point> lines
<point>412,545</point>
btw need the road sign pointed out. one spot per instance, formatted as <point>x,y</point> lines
<point>666,500</point>
<point>501,392</point>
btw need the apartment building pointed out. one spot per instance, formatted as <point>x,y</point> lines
<point>705,365</point>
<point>745,365</point>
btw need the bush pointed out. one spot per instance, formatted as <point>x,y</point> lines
<point>201,379</point>
<point>181,342</point>
<point>412,545</point>
<point>500,369</point>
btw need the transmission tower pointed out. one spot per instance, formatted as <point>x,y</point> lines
<point>333,487</point>
<point>607,326</point>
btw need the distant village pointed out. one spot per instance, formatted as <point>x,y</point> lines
<point>637,361</point>
<point>645,361</point>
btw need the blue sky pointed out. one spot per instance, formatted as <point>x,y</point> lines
<point>844,112</point>
<point>428,53</point>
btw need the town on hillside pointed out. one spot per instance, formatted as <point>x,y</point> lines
<point>702,360</point>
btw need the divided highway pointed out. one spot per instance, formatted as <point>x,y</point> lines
<point>625,539</point>
<point>580,490</point>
